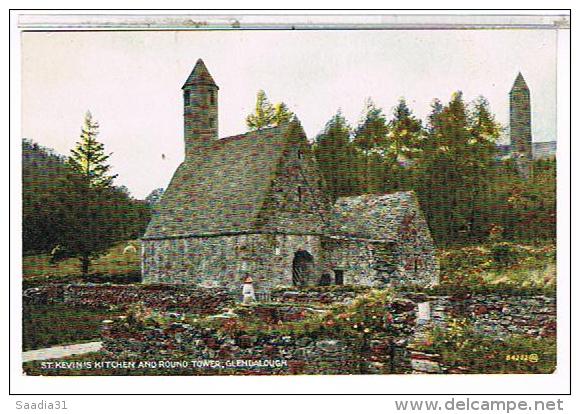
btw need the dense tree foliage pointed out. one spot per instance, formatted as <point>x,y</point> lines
<point>337,158</point>
<point>466,190</point>
<point>73,214</point>
<point>370,139</point>
<point>266,115</point>
<point>44,189</point>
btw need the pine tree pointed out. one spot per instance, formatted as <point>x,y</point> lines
<point>372,130</point>
<point>482,169</point>
<point>267,115</point>
<point>441,170</point>
<point>404,132</point>
<point>263,115</point>
<point>336,158</point>
<point>402,147</point>
<point>370,138</point>
<point>88,158</point>
<point>100,213</point>
<point>281,114</point>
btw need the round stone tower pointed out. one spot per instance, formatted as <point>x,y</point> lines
<point>521,124</point>
<point>200,110</point>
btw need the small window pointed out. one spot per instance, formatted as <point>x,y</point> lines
<point>212,122</point>
<point>299,193</point>
<point>212,97</point>
<point>186,98</point>
<point>338,277</point>
<point>299,154</point>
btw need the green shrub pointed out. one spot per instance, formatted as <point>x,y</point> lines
<point>129,277</point>
<point>504,254</point>
<point>459,345</point>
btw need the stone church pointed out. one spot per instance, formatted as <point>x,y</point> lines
<point>255,205</point>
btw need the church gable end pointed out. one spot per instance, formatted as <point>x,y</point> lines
<point>296,202</point>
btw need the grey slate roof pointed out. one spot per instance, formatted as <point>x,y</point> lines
<point>222,189</point>
<point>372,217</point>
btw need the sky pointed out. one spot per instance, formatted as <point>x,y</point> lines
<point>131,82</point>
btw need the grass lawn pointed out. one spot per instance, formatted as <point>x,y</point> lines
<point>60,324</point>
<point>113,263</point>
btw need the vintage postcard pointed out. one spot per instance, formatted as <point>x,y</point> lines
<point>205,200</point>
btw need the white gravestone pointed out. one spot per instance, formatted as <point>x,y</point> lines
<point>423,312</point>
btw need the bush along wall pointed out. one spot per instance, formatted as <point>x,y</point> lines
<point>461,349</point>
<point>367,336</point>
<point>204,301</point>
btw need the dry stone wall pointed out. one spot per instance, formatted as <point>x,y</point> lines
<point>160,297</point>
<point>499,315</point>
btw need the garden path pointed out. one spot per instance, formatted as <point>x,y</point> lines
<point>60,351</point>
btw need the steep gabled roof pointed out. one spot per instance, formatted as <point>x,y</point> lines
<point>199,75</point>
<point>373,217</point>
<point>222,188</point>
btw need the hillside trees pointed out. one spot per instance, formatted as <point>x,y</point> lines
<point>71,206</point>
<point>44,190</point>
<point>405,132</point>
<point>457,169</point>
<point>451,162</point>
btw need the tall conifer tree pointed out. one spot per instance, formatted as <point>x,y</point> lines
<point>336,158</point>
<point>370,137</point>
<point>88,158</point>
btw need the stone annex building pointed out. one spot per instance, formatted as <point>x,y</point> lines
<point>254,205</point>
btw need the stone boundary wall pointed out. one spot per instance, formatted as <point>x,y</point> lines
<point>294,355</point>
<point>310,296</point>
<point>499,315</point>
<point>203,301</point>
<point>493,314</point>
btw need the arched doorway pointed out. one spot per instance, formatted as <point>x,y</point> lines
<point>302,268</point>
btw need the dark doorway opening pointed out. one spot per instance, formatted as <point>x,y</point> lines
<point>338,277</point>
<point>302,268</point>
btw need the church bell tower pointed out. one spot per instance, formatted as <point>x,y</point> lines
<point>200,110</point>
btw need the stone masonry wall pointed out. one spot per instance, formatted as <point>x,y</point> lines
<point>355,258</point>
<point>225,261</point>
<point>296,202</point>
<point>413,262</point>
<point>287,355</point>
<point>415,253</point>
<point>499,315</point>
<point>182,298</point>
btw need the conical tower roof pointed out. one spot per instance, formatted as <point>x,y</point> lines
<point>520,82</point>
<point>199,75</point>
